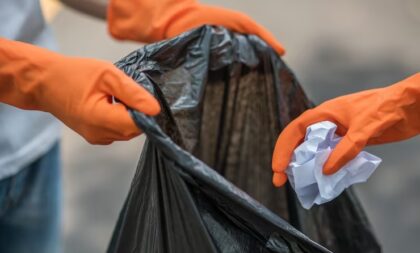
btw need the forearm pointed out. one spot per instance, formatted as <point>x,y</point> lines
<point>96,8</point>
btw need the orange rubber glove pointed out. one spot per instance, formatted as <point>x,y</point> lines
<point>151,20</point>
<point>370,117</point>
<point>75,90</point>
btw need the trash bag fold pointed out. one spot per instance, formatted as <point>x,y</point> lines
<point>225,97</point>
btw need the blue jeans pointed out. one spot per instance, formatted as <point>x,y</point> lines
<point>30,207</point>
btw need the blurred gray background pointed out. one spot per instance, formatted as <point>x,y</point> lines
<point>334,47</point>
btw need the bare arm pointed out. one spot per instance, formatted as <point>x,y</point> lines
<point>96,8</point>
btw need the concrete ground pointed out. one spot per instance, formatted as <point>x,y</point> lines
<point>334,47</point>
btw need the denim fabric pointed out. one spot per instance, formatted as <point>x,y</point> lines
<point>30,207</point>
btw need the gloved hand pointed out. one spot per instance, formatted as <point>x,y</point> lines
<point>77,91</point>
<point>150,20</point>
<point>374,116</point>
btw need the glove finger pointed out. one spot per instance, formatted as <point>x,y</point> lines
<point>115,122</point>
<point>269,38</point>
<point>346,150</point>
<point>288,140</point>
<point>130,93</point>
<point>101,142</point>
<point>202,14</point>
<point>244,24</point>
<point>279,179</point>
<point>294,133</point>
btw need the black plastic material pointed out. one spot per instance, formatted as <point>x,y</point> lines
<point>225,97</point>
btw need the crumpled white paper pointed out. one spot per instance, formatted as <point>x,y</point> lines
<point>305,170</point>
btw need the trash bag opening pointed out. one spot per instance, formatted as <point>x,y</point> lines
<point>212,82</point>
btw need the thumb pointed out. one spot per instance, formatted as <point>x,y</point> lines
<point>346,150</point>
<point>286,143</point>
<point>279,179</point>
<point>130,93</point>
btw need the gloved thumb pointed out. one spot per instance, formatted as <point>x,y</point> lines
<point>279,179</point>
<point>130,93</point>
<point>346,150</point>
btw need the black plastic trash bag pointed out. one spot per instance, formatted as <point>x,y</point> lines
<point>225,97</point>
